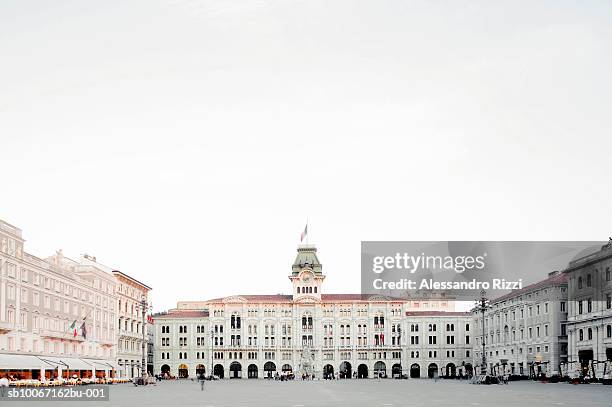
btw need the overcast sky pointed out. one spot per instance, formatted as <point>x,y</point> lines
<point>187,142</point>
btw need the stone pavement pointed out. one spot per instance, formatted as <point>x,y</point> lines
<point>351,393</point>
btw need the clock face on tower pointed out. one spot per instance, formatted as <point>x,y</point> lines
<point>306,278</point>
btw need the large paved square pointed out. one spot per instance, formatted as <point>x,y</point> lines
<point>353,393</point>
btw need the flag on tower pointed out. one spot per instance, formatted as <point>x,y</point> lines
<point>304,233</point>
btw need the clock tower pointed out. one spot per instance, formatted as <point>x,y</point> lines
<point>306,274</point>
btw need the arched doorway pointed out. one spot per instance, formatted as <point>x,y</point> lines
<point>269,369</point>
<point>328,372</point>
<point>380,369</point>
<point>219,371</point>
<point>415,371</point>
<point>252,371</point>
<point>396,370</point>
<point>432,371</point>
<point>165,370</point>
<point>362,371</point>
<point>200,370</point>
<point>286,368</point>
<point>235,370</point>
<point>183,371</point>
<point>451,370</point>
<point>345,370</point>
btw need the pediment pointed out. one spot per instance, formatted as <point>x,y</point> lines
<point>307,299</point>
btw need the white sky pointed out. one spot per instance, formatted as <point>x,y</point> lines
<point>186,142</point>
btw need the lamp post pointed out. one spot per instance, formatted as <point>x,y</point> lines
<point>399,340</point>
<point>212,356</point>
<point>144,307</point>
<point>482,305</point>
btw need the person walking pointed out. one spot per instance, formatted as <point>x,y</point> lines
<point>201,379</point>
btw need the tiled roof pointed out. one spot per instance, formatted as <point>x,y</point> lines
<point>181,314</point>
<point>283,298</point>
<point>552,281</point>
<point>436,313</point>
<point>257,298</point>
<point>355,297</point>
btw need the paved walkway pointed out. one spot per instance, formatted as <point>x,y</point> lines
<point>352,393</point>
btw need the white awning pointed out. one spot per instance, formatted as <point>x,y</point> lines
<point>103,364</point>
<point>68,363</point>
<point>25,362</point>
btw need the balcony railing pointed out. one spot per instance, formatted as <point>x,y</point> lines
<point>123,332</point>
<point>67,336</point>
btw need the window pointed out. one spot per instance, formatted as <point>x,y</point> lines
<point>589,280</point>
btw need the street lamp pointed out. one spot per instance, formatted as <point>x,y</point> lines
<point>482,305</point>
<point>399,340</point>
<point>144,307</point>
<point>212,361</point>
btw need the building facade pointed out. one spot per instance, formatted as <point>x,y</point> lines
<point>132,324</point>
<point>525,331</point>
<point>64,315</point>
<point>340,335</point>
<point>589,322</point>
<point>57,309</point>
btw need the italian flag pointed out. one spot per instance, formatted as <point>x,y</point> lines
<point>73,327</point>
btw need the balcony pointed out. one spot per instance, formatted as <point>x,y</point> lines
<point>66,336</point>
<point>129,334</point>
<point>5,327</point>
<point>107,342</point>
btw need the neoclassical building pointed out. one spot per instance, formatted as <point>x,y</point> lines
<point>589,320</point>
<point>524,331</point>
<point>347,335</point>
<point>59,315</point>
<point>133,323</point>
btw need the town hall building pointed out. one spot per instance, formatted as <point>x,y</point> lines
<point>312,332</point>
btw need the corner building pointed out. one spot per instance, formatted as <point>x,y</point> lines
<point>347,335</point>
<point>589,319</point>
